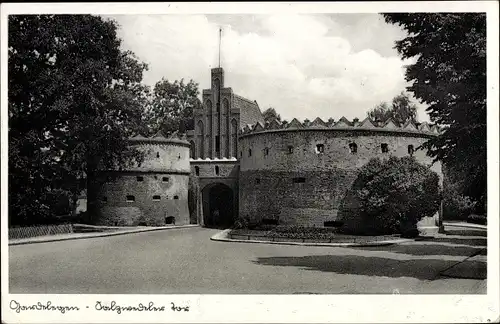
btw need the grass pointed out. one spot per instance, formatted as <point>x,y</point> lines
<point>298,232</point>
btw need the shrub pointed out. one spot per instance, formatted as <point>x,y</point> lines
<point>455,205</point>
<point>476,219</point>
<point>241,223</point>
<point>396,193</point>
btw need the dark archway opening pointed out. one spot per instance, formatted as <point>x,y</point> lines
<point>219,206</point>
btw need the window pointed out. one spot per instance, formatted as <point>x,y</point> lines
<point>241,154</point>
<point>158,155</point>
<point>299,180</point>
<point>130,198</point>
<point>249,152</point>
<point>384,147</point>
<point>217,143</point>
<point>266,151</point>
<point>411,150</point>
<point>257,180</point>
<point>176,197</point>
<point>320,148</point>
<point>269,221</point>
<point>164,179</point>
<point>104,199</point>
<point>216,170</point>
<point>170,220</point>
<point>140,178</point>
<point>290,149</point>
<point>333,223</point>
<point>353,147</point>
<point>197,170</point>
<point>156,197</point>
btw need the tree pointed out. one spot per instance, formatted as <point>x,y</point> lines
<point>270,114</point>
<point>401,110</point>
<point>171,107</point>
<point>396,193</point>
<point>449,75</point>
<point>74,99</point>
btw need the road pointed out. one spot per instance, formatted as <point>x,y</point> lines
<point>186,261</point>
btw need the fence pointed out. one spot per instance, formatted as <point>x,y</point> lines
<point>32,231</point>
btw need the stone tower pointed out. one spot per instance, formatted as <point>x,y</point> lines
<point>218,121</point>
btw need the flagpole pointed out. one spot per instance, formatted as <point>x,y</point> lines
<point>220,41</point>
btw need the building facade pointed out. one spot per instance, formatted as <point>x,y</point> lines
<point>287,173</point>
<point>153,193</point>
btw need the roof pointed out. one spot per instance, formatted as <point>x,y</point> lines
<point>249,110</point>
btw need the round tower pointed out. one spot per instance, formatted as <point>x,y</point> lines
<point>302,174</point>
<point>152,193</point>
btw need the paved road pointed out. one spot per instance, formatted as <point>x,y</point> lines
<point>186,261</point>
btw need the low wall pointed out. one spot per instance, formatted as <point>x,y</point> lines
<point>33,231</point>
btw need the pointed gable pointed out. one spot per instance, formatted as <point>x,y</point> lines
<point>343,122</point>
<point>367,123</point>
<point>258,127</point>
<point>159,136</point>
<point>410,126</point>
<point>295,124</point>
<point>318,123</point>
<point>274,124</point>
<point>390,124</point>
<point>424,127</point>
<point>138,137</point>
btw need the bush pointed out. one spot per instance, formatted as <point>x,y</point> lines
<point>455,205</point>
<point>477,219</point>
<point>300,232</point>
<point>396,193</point>
<point>241,223</point>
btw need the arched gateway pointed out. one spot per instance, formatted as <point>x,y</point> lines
<point>218,205</point>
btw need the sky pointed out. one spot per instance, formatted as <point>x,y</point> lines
<point>305,66</point>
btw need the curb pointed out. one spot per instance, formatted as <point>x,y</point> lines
<point>100,234</point>
<point>223,237</point>
<point>465,225</point>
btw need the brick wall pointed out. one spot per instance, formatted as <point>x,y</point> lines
<point>267,188</point>
<point>115,209</point>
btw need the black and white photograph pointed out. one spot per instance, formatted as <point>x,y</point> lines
<point>250,162</point>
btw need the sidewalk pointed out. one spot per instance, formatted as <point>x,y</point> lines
<point>225,237</point>
<point>463,224</point>
<point>76,236</point>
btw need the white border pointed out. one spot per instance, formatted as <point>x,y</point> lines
<point>280,308</point>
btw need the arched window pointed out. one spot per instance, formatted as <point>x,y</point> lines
<point>225,106</point>
<point>411,150</point>
<point>200,140</point>
<point>158,155</point>
<point>384,147</point>
<point>216,170</point>
<point>249,152</point>
<point>234,136</point>
<point>208,104</point>
<point>197,170</point>
<point>192,152</point>
<point>353,147</point>
<point>266,151</point>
